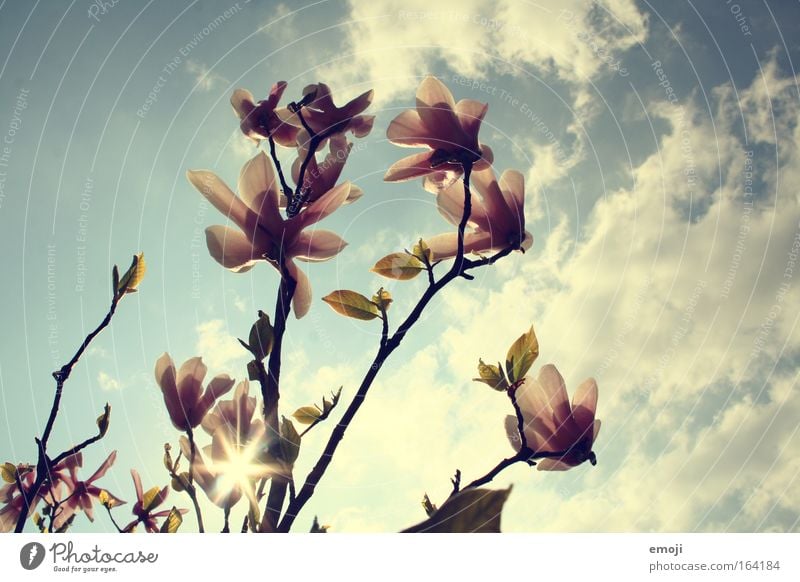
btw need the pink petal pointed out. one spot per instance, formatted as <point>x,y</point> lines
<point>275,93</point>
<point>470,114</point>
<point>407,130</point>
<point>445,246</point>
<point>595,429</point>
<point>319,209</point>
<point>242,102</point>
<point>218,193</point>
<point>410,167</point>
<point>554,394</point>
<point>358,105</point>
<point>137,484</point>
<point>512,432</point>
<point>361,125</point>
<point>231,248</point>
<point>104,467</point>
<point>497,210</point>
<point>319,245</point>
<point>584,405</point>
<point>435,106</point>
<point>552,465</point>
<point>190,382</point>
<point>258,189</point>
<point>301,302</point>
<point>512,183</point>
<point>450,203</point>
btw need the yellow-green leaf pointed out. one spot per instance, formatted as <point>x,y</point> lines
<point>521,356</point>
<point>9,471</point>
<point>472,510</point>
<point>290,442</point>
<point>400,266</point>
<point>383,299</point>
<point>149,498</point>
<point>129,283</point>
<point>491,376</point>
<point>307,414</point>
<point>352,304</point>
<point>172,522</point>
<point>423,252</point>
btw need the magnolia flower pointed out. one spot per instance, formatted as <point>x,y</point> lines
<point>259,120</point>
<point>322,116</point>
<point>186,401</point>
<point>237,454</point>
<point>80,494</point>
<point>319,178</point>
<point>263,233</point>
<point>448,129</point>
<point>550,425</point>
<point>146,502</point>
<point>497,217</point>
<point>13,501</point>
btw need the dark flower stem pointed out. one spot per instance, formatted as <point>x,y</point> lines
<point>525,455</point>
<point>287,191</point>
<point>388,344</point>
<point>44,464</point>
<point>191,490</point>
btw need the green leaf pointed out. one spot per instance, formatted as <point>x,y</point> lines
<point>172,522</point>
<point>400,266</point>
<point>149,498</point>
<point>103,420</point>
<point>129,283</point>
<point>472,510</point>
<point>383,299</point>
<point>352,304</point>
<point>290,442</point>
<point>307,414</point>
<point>521,356</point>
<point>262,337</point>
<point>491,376</point>
<point>423,252</point>
<point>9,471</point>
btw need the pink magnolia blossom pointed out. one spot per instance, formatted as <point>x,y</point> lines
<point>237,454</point>
<point>143,508</point>
<point>79,495</point>
<point>448,129</point>
<point>551,425</point>
<point>324,117</point>
<point>14,502</point>
<point>183,393</point>
<point>322,177</point>
<point>263,234</point>
<point>258,120</point>
<point>497,216</point>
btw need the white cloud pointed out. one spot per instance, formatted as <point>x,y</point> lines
<point>219,349</point>
<point>204,78</point>
<point>107,382</point>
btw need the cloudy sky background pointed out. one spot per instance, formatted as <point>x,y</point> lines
<point>661,264</point>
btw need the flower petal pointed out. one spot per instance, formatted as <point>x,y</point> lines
<point>301,301</point>
<point>410,167</point>
<point>445,246</point>
<point>319,245</point>
<point>242,102</point>
<point>554,394</point>
<point>231,248</point>
<point>584,405</point>
<point>218,193</point>
<point>512,432</point>
<point>258,188</point>
<point>407,130</point>
<point>103,468</point>
<point>450,203</point>
<point>552,465</point>
<point>436,108</point>
<point>470,115</point>
<point>512,184</point>
<point>137,484</point>
<point>324,206</point>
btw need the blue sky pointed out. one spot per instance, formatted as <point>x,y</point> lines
<point>650,270</point>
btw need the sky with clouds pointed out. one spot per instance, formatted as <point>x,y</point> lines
<point>659,141</point>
